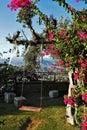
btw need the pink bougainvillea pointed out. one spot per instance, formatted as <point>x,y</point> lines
<point>76,75</point>
<point>51,46</point>
<point>66,38</point>
<point>60,62</point>
<point>84,97</point>
<point>77,1</point>
<point>69,100</point>
<point>48,51</point>
<point>50,35</point>
<point>81,17</point>
<point>83,35</point>
<point>66,64</point>
<point>56,51</point>
<point>71,8</point>
<point>80,60</point>
<point>61,33</point>
<point>84,125</point>
<point>15,4</point>
<point>66,100</point>
<point>42,54</point>
<point>83,64</point>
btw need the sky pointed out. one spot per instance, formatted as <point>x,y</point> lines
<point>8,24</point>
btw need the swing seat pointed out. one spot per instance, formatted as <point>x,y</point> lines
<point>29,108</point>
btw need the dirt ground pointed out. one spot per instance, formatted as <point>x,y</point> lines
<point>31,124</point>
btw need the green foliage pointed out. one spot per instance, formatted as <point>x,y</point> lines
<point>63,3</point>
<point>72,48</point>
<point>25,15</point>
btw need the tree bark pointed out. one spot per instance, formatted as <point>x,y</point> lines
<point>70,117</point>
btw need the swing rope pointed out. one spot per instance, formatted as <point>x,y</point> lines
<point>41,91</point>
<point>22,88</point>
<point>12,54</point>
<point>41,95</point>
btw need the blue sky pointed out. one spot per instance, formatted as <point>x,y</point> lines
<point>8,22</point>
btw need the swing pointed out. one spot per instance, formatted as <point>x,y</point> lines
<point>31,108</point>
<point>21,98</point>
<point>18,101</point>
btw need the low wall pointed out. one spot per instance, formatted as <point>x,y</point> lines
<point>34,87</point>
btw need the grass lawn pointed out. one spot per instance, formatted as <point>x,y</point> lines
<point>52,116</point>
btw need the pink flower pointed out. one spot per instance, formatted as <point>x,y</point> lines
<point>50,35</point>
<point>82,17</point>
<point>61,33</point>
<point>15,4</point>
<point>83,35</point>
<point>66,64</point>
<point>71,103</point>
<point>77,1</point>
<point>60,62</point>
<point>80,60</point>
<point>84,97</point>
<point>84,65</point>
<point>66,100</point>
<point>48,51</point>
<point>66,38</point>
<point>82,75</point>
<point>51,46</point>
<point>42,54</point>
<point>72,98</point>
<point>56,51</point>
<point>84,125</point>
<point>82,68</point>
<point>71,8</point>
<point>69,100</point>
<point>76,76</point>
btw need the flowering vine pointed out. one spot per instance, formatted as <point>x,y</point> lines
<point>71,43</point>
<point>15,4</point>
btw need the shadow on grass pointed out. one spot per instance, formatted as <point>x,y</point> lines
<point>44,101</point>
<point>34,100</point>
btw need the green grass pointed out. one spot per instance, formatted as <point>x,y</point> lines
<point>52,116</point>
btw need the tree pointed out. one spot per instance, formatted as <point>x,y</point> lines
<point>25,16</point>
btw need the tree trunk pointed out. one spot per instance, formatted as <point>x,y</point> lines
<point>70,117</point>
<point>27,49</point>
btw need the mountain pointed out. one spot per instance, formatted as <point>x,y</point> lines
<point>15,61</point>
<point>47,62</point>
<point>18,61</point>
